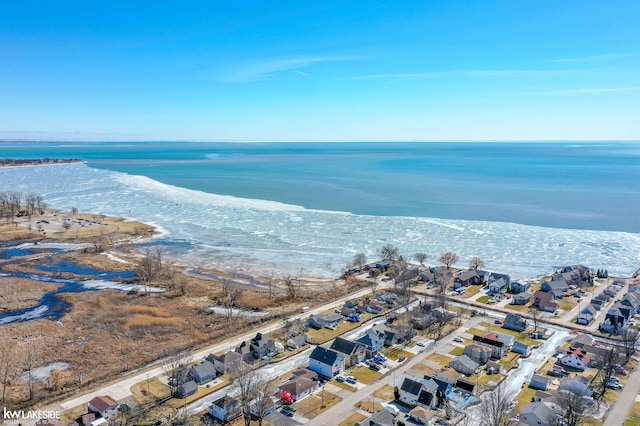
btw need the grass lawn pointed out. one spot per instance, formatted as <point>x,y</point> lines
<point>519,308</point>
<point>370,406</point>
<point>71,414</point>
<point>365,374</point>
<point>318,337</point>
<point>470,291</point>
<point>509,361</point>
<point>353,419</point>
<point>457,351</point>
<point>396,352</point>
<point>633,418</point>
<point>312,405</point>
<point>149,391</point>
<point>202,392</point>
<point>441,360</point>
<point>476,332</point>
<point>525,396</point>
<point>385,392</point>
<point>344,385</point>
<point>423,369</point>
<point>566,304</point>
<point>483,299</point>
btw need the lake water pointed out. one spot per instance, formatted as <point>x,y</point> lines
<point>525,208</point>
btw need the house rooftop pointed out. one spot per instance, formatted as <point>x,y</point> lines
<point>102,402</point>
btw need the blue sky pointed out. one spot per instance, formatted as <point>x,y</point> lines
<point>320,70</point>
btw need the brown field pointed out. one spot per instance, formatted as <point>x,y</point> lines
<point>107,333</point>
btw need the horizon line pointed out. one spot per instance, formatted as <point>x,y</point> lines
<point>5,140</point>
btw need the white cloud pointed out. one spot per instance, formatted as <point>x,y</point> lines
<point>259,70</point>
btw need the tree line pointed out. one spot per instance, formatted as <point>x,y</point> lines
<point>15,204</point>
<point>35,161</point>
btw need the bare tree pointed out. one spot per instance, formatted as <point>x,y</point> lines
<point>420,258</point>
<point>292,284</point>
<point>230,296</point>
<point>6,369</point>
<point>573,406</point>
<point>247,380</point>
<point>476,263</point>
<point>389,252</point>
<point>604,374</point>
<point>373,284</point>
<point>359,260</point>
<point>176,367</point>
<point>150,265</point>
<point>270,283</point>
<point>628,342</point>
<point>263,401</point>
<point>448,258</point>
<point>29,365</point>
<point>535,313</point>
<point>495,406</point>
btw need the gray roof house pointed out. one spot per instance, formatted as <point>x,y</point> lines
<point>514,322</point>
<point>381,418</point>
<point>578,384</point>
<point>187,388</point>
<point>499,285</point>
<point>540,382</point>
<point>353,352</point>
<point>297,341</point>
<point>544,301</point>
<point>326,362</point>
<point>464,365</point>
<point>263,345</point>
<point>227,363</point>
<point>518,287</point>
<point>373,341</point>
<point>540,414</point>
<point>556,286</point>
<point>204,372</point>
<point>521,298</point>
<point>587,314</point>
<point>521,348</point>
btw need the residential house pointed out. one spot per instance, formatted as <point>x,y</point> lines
<point>614,320</point>
<point>539,381</point>
<point>583,273</point>
<point>521,348</point>
<point>225,409</point>
<point>448,375</point>
<point>187,389</point>
<point>521,298</point>
<point>322,321</point>
<point>598,302</point>
<point>498,286</point>
<point>381,418</point>
<point>226,363</point>
<point>105,406</point>
<point>423,416</point>
<point>263,345</point>
<point>514,322</point>
<point>467,386</point>
<point>421,320</point>
<point>498,348</point>
<point>297,341</point>
<point>203,373</point>
<point>89,419</point>
<point>472,277</point>
<point>494,367</point>
<point>444,388</point>
<point>576,358</point>
<point>353,352</point>
<point>557,287</point>
<point>373,341</point>
<point>464,365</point>
<point>579,385</point>
<point>393,334</point>
<point>518,287</point>
<point>540,414</point>
<point>419,392</point>
<point>587,315</point>
<point>326,362</point>
<point>633,301</point>
<point>544,301</point>
<point>479,353</point>
<point>582,339</point>
<point>245,351</point>
<point>299,387</point>
<point>263,403</point>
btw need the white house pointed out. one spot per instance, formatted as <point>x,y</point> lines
<point>104,406</point>
<point>326,362</point>
<point>576,358</point>
<point>225,409</point>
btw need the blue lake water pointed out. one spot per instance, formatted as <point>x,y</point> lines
<point>525,208</point>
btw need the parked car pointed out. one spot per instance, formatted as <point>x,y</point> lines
<point>420,344</point>
<point>374,367</point>
<point>340,379</point>
<point>289,408</point>
<point>497,322</point>
<point>351,380</point>
<point>613,385</point>
<point>457,339</point>
<point>402,359</point>
<point>621,371</point>
<point>287,413</point>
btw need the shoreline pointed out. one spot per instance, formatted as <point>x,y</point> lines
<point>16,162</point>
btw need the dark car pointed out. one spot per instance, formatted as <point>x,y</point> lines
<point>402,359</point>
<point>497,322</point>
<point>289,408</point>
<point>374,367</point>
<point>287,413</point>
